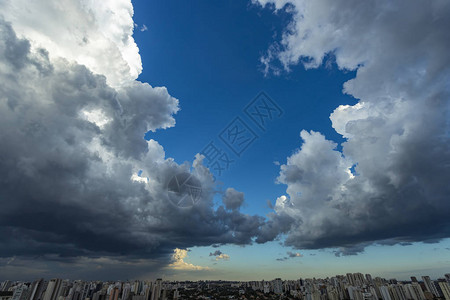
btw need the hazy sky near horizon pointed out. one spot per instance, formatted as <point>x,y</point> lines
<point>316,134</point>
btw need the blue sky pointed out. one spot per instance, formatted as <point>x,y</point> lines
<point>208,56</point>
<point>218,73</point>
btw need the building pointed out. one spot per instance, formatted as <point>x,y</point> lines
<point>445,288</point>
<point>114,295</point>
<point>385,293</point>
<point>36,289</point>
<point>157,287</point>
<point>414,291</point>
<point>429,285</point>
<point>5,286</point>
<point>278,286</point>
<point>52,291</point>
<point>398,292</point>
<point>20,293</point>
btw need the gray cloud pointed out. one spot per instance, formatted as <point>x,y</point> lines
<point>397,135</point>
<point>351,249</point>
<point>72,148</point>
<point>233,199</point>
<point>215,253</point>
<point>290,255</point>
<point>294,254</point>
<point>110,268</point>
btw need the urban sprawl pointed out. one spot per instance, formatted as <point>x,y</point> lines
<point>355,286</point>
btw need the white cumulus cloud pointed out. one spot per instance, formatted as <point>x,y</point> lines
<point>397,135</point>
<point>98,34</point>
<point>179,264</point>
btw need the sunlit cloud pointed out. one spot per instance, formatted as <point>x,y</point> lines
<point>178,257</point>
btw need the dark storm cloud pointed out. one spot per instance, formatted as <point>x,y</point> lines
<point>397,135</point>
<point>71,149</point>
<point>88,268</point>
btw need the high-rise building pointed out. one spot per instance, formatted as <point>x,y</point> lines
<point>50,290</point>
<point>114,294</point>
<point>156,292</point>
<point>85,291</point>
<point>398,292</point>
<point>445,288</point>
<point>63,290</point>
<point>385,293</point>
<point>71,293</point>
<point>20,293</point>
<point>126,292</point>
<point>418,289</point>
<point>359,279</point>
<point>414,291</point>
<point>350,278</point>
<point>5,285</point>
<point>354,293</point>
<point>277,286</point>
<point>36,289</point>
<point>429,285</point>
<point>447,277</point>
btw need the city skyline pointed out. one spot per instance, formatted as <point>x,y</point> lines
<point>354,286</point>
<point>226,140</point>
<point>410,278</point>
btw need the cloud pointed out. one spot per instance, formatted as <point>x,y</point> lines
<point>233,199</point>
<point>95,34</point>
<point>10,260</point>
<point>179,264</point>
<point>215,253</point>
<point>389,183</point>
<point>77,179</point>
<point>223,256</point>
<point>219,255</point>
<point>294,254</point>
<point>289,256</point>
<point>352,250</point>
<point>143,28</point>
<point>72,268</point>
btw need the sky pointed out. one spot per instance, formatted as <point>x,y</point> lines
<point>234,140</point>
